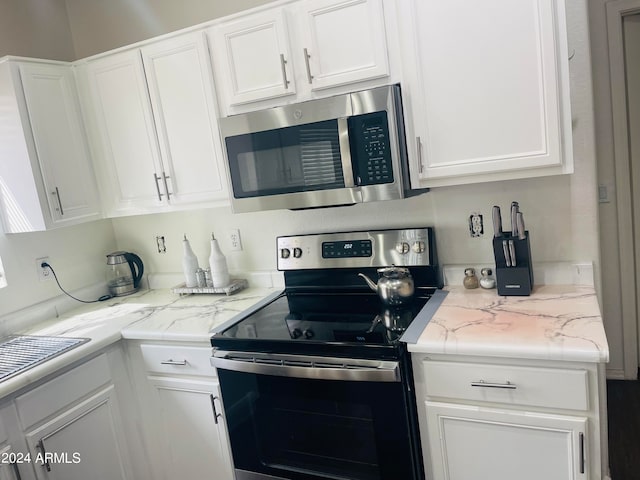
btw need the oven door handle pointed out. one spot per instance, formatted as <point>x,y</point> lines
<point>315,368</point>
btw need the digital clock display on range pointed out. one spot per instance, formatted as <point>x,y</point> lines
<point>346,249</point>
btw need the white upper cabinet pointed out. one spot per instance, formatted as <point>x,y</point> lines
<point>181,90</point>
<point>342,41</point>
<point>152,117</point>
<point>490,89</point>
<point>45,167</point>
<point>126,148</point>
<point>252,58</point>
<point>296,50</point>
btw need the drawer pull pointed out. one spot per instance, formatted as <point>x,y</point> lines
<point>174,362</point>
<point>482,383</point>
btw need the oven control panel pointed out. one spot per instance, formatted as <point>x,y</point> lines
<point>378,248</point>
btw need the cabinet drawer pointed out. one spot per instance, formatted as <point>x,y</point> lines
<point>49,398</point>
<point>177,360</point>
<point>534,386</point>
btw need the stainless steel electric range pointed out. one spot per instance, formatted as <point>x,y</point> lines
<point>316,380</point>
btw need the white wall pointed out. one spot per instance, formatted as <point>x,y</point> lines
<point>611,298</point>
<point>101,25</point>
<point>35,28</point>
<point>76,253</point>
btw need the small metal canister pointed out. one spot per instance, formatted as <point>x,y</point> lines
<point>201,278</point>
<point>207,276</point>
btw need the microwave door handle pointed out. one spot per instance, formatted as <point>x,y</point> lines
<point>345,152</point>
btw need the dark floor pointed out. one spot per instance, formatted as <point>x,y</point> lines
<point>623,406</point>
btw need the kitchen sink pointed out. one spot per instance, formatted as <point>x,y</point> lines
<point>21,352</point>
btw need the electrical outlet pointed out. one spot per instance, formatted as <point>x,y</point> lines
<point>234,239</point>
<point>44,273</point>
<point>162,246</point>
<point>476,228</point>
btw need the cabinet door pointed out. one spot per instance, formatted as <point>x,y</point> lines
<point>82,442</point>
<point>251,58</point>
<point>181,89</point>
<point>342,41</point>
<point>472,443</point>
<point>494,77</point>
<point>195,438</point>
<point>128,156</point>
<point>60,142</point>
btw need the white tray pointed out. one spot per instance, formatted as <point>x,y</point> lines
<point>236,285</point>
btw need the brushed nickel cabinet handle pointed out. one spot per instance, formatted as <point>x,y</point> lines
<point>57,194</point>
<point>582,453</point>
<point>419,151</point>
<point>306,62</point>
<point>283,66</point>
<point>16,471</point>
<point>181,363</point>
<point>47,465</point>
<point>156,179</point>
<point>216,415</point>
<point>482,383</point>
<point>166,185</point>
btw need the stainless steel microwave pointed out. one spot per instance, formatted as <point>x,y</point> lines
<point>333,151</point>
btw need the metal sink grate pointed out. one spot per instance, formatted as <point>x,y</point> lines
<point>21,352</point>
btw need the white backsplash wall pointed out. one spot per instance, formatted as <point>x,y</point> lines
<point>562,229</point>
<point>77,254</point>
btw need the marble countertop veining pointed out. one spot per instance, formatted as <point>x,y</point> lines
<point>147,315</point>
<point>556,322</point>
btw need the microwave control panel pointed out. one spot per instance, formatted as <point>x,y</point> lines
<point>370,148</point>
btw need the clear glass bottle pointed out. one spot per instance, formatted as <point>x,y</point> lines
<point>189,264</point>
<point>487,281</point>
<point>218,265</point>
<point>470,279</point>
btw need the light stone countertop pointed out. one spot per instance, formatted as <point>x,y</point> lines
<point>556,322</point>
<point>158,315</point>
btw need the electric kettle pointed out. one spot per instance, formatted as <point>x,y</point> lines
<point>124,272</point>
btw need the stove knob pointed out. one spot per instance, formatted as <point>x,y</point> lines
<point>418,247</point>
<point>296,333</point>
<point>297,252</point>
<point>285,253</point>
<point>308,334</point>
<point>402,247</point>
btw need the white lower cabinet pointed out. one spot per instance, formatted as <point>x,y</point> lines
<point>183,417</point>
<point>192,428</point>
<point>502,419</point>
<point>469,442</point>
<point>78,425</point>
<point>84,441</point>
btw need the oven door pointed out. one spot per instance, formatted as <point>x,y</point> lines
<point>298,417</point>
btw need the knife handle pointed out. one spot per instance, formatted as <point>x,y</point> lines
<point>497,221</point>
<point>512,253</point>
<point>507,255</point>
<point>514,219</point>
<point>520,225</point>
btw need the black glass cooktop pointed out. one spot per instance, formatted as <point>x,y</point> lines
<point>323,322</point>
